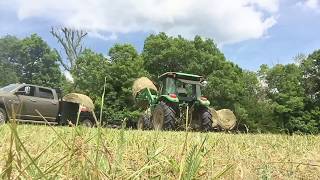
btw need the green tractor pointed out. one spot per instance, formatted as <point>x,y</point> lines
<point>177,105</point>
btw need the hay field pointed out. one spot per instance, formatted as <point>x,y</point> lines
<point>42,152</point>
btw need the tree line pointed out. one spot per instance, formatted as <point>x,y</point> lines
<point>281,98</point>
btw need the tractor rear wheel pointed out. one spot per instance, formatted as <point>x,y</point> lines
<point>163,117</point>
<point>206,119</point>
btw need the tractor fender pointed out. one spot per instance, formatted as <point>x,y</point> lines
<point>169,98</point>
<point>204,102</point>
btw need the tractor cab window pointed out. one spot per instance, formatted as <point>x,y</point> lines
<point>182,88</point>
<point>198,90</point>
<point>170,87</point>
<point>191,89</point>
<point>185,89</point>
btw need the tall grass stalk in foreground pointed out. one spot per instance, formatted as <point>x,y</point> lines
<point>193,160</point>
<point>99,133</point>
<point>14,154</point>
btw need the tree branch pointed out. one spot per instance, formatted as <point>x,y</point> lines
<point>71,40</point>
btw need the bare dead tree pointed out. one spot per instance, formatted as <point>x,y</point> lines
<point>71,40</point>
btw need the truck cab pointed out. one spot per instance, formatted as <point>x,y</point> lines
<point>25,99</point>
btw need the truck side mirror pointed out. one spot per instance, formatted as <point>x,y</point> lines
<point>27,90</point>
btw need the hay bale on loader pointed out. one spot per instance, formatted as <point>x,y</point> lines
<point>141,90</point>
<point>141,84</point>
<point>227,120</point>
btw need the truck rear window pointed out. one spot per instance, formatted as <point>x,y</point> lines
<point>45,93</point>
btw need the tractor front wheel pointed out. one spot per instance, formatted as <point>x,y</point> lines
<point>3,116</point>
<point>163,117</point>
<point>143,122</point>
<point>206,119</point>
<point>86,123</point>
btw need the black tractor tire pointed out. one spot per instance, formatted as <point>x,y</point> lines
<point>205,117</point>
<point>3,116</point>
<point>143,122</point>
<point>86,123</point>
<point>163,117</point>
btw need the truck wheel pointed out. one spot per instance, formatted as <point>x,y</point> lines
<point>3,116</point>
<point>206,119</point>
<point>86,123</point>
<point>163,117</point>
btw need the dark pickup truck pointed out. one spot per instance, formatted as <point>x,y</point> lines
<point>37,104</point>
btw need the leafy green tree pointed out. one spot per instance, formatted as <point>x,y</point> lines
<point>38,63</point>
<point>90,74</point>
<point>122,53</point>
<point>311,74</point>
<point>8,52</point>
<point>126,67</point>
<point>9,46</point>
<point>162,54</point>
<point>286,90</point>
<point>311,82</point>
<point>252,109</point>
<point>7,74</point>
<point>119,72</point>
<point>30,60</point>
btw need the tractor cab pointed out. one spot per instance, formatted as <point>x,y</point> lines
<point>182,87</point>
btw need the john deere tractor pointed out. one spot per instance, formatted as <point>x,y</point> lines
<point>177,105</point>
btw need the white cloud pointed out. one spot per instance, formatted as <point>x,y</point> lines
<point>310,4</point>
<point>269,5</point>
<point>227,21</point>
<point>313,4</point>
<point>98,35</point>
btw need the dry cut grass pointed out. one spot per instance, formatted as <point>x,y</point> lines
<point>42,152</point>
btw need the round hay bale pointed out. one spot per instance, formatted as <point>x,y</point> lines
<point>227,120</point>
<point>79,99</point>
<point>141,84</point>
<point>215,117</point>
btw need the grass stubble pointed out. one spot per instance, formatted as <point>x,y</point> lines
<point>45,152</point>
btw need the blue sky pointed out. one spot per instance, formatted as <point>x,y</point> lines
<point>249,32</point>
